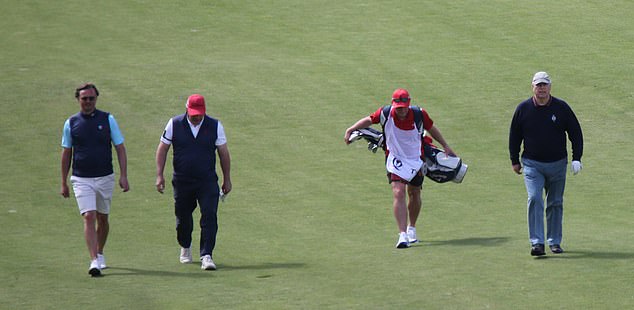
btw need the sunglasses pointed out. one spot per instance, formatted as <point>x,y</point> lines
<point>402,99</point>
<point>89,98</point>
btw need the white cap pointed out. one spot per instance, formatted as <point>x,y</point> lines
<point>541,77</point>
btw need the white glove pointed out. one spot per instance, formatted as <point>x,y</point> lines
<point>576,166</point>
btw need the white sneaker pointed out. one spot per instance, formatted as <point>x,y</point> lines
<point>207,263</point>
<point>403,242</point>
<point>186,255</point>
<point>411,234</point>
<point>102,261</point>
<point>94,270</point>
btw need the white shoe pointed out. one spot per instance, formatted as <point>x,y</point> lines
<point>207,263</point>
<point>102,261</point>
<point>403,242</point>
<point>94,270</point>
<point>186,255</point>
<point>411,234</point>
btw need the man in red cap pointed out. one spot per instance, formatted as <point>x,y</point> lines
<point>196,138</point>
<point>404,159</point>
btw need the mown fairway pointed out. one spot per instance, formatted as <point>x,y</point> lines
<point>309,224</point>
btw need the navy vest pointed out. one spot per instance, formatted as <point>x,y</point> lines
<point>92,150</point>
<point>194,158</point>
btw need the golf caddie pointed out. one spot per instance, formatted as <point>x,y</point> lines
<point>404,157</point>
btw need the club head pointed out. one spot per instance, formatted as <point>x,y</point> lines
<point>372,147</point>
<point>355,135</point>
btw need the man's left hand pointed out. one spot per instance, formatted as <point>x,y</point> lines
<point>576,167</point>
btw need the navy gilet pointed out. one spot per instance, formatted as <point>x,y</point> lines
<point>92,145</point>
<point>194,158</point>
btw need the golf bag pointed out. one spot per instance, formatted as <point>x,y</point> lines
<point>376,139</point>
<point>439,167</point>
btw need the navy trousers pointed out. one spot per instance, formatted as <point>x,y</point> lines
<point>187,195</point>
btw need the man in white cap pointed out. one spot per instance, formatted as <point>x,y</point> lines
<point>404,155</point>
<point>196,138</point>
<point>542,123</point>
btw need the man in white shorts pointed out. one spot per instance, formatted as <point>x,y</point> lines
<point>87,140</point>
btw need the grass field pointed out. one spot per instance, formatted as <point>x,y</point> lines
<point>309,224</point>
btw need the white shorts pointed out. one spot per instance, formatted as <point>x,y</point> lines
<point>93,193</point>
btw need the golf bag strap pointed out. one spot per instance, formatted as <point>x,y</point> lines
<point>418,117</point>
<point>418,120</point>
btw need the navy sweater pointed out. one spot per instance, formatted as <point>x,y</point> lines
<point>543,130</point>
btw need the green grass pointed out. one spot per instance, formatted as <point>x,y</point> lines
<point>309,224</point>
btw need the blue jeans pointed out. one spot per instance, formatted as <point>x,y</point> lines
<point>550,179</point>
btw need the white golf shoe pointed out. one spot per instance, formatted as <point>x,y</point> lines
<point>102,261</point>
<point>403,242</point>
<point>411,234</point>
<point>94,270</point>
<point>186,255</point>
<point>207,263</point>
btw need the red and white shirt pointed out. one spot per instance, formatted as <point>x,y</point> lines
<point>405,124</point>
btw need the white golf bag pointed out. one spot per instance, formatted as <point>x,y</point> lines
<point>439,167</point>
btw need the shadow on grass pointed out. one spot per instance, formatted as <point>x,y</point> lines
<point>496,241</point>
<point>590,255</point>
<point>476,241</point>
<point>124,271</point>
<point>264,266</point>
<point>264,270</point>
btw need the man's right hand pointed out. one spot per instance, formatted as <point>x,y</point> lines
<point>64,191</point>
<point>517,168</point>
<point>160,184</point>
<point>346,136</point>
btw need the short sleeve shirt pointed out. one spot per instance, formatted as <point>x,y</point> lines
<point>168,132</point>
<point>407,123</point>
<point>115,133</point>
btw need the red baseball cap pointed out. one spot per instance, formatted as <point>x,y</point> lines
<point>195,105</point>
<point>400,98</point>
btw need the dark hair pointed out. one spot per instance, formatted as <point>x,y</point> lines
<point>84,87</point>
